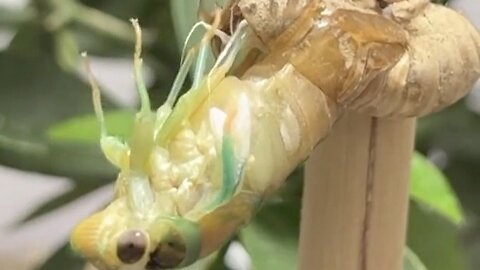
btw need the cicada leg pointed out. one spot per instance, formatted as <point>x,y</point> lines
<point>232,131</point>
<point>138,69</point>
<point>163,112</point>
<point>202,83</point>
<point>231,50</point>
<point>115,150</point>
<point>228,125</point>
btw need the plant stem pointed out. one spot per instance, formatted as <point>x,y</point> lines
<point>104,23</point>
<point>356,196</point>
<point>13,17</point>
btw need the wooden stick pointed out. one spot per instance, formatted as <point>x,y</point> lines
<point>355,201</point>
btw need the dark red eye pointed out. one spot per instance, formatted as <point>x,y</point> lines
<point>131,246</point>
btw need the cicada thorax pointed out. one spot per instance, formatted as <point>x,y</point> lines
<point>368,60</point>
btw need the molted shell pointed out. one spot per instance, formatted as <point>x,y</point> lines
<point>371,60</point>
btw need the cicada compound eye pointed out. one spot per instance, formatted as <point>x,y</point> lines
<point>131,246</point>
<point>167,255</point>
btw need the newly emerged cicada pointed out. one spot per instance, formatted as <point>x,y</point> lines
<point>196,169</point>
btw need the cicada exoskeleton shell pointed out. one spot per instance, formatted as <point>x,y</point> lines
<point>391,58</point>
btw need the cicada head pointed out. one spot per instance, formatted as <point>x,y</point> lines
<point>140,229</point>
<point>119,238</point>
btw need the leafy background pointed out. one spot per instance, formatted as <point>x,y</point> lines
<point>47,127</point>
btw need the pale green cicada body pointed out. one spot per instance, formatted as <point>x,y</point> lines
<point>181,191</point>
<point>196,170</point>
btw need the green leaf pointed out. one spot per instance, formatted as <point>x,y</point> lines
<point>184,14</point>
<point>455,132</point>
<point>443,131</point>
<point>430,186</point>
<point>77,161</point>
<point>275,229</point>
<point>411,261</point>
<point>64,258</point>
<point>14,17</point>
<point>434,238</point>
<point>38,92</point>
<point>35,95</point>
<point>87,129</point>
<point>67,52</point>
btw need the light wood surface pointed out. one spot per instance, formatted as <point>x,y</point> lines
<point>355,203</point>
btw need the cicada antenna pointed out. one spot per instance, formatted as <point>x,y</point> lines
<point>116,151</point>
<point>96,95</point>
<point>138,67</point>
<point>181,76</point>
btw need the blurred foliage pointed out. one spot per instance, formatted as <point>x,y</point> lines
<point>430,186</point>
<point>275,229</point>
<point>412,262</point>
<point>47,125</point>
<point>86,128</point>
<point>451,137</point>
<point>435,218</point>
<point>434,238</point>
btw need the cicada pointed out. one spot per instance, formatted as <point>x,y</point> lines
<point>197,169</point>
